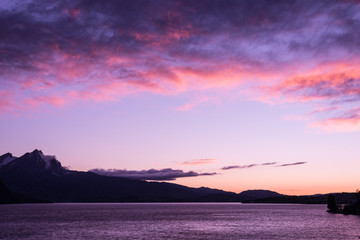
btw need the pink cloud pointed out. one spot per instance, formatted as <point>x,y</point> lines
<point>338,125</point>
<point>349,121</point>
<point>91,52</point>
<point>74,12</point>
<point>53,100</point>
<point>190,105</point>
<point>325,82</point>
<point>199,161</point>
<point>331,89</point>
<point>6,103</point>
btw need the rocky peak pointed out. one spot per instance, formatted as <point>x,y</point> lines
<point>33,162</point>
<point>6,158</point>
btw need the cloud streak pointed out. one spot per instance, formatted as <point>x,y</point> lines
<point>247,166</point>
<point>291,164</point>
<point>239,166</point>
<point>275,164</point>
<point>165,174</point>
<point>199,161</point>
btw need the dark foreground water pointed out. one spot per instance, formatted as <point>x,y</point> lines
<point>174,221</point>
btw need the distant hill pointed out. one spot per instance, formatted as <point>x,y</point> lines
<point>342,198</point>
<point>253,195</point>
<point>43,177</point>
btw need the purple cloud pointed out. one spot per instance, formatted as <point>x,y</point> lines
<point>291,164</point>
<point>165,174</point>
<point>262,164</point>
<point>239,166</point>
<point>268,163</point>
<point>60,51</point>
<point>247,166</point>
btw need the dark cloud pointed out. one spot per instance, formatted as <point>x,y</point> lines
<point>239,166</point>
<point>291,164</point>
<point>34,31</point>
<point>247,166</point>
<point>262,164</point>
<point>268,163</point>
<point>152,174</point>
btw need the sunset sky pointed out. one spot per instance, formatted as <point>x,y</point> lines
<point>234,95</point>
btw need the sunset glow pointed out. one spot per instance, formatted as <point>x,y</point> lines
<point>233,95</point>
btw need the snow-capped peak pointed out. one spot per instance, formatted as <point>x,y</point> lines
<point>45,158</point>
<point>6,159</point>
<point>34,162</point>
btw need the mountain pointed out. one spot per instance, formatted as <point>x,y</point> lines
<point>31,163</point>
<point>6,196</point>
<point>6,158</point>
<point>43,177</point>
<point>35,176</point>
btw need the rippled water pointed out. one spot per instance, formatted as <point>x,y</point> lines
<point>174,221</point>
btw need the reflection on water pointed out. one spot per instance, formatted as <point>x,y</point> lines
<point>174,221</point>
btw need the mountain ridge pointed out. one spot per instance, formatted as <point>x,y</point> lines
<point>7,196</point>
<point>41,176</point>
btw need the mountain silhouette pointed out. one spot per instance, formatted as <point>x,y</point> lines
<point>41,176</point>
<point>6,196</point>
<point>252,195</point>
<point>36,177</point>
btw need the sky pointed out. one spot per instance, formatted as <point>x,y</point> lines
<point>233,95</point>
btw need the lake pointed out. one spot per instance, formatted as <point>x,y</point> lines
<point>174,221</point>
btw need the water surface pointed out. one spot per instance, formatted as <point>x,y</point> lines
<point>174,221</point>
